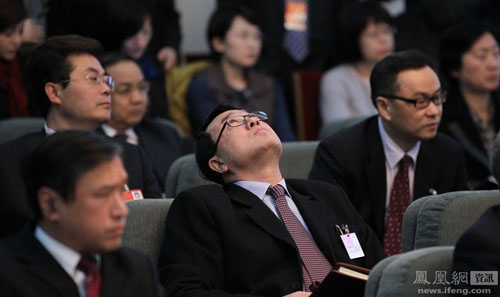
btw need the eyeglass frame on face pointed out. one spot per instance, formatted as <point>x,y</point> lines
<point>437,99</point>
<point>94,81</point>
<point>260,115</point>
<point>143,87</point>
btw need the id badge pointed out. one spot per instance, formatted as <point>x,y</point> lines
<point>295,16</point>
<point>132,195</point>
<point>352,245</point>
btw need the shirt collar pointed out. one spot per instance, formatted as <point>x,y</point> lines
<point>47,130</point>
<point>65,256</point>
<point>259,189</point>
<point>130,133</point>
<point>393,153</point>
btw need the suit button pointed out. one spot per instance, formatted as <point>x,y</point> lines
<point>296,285</point>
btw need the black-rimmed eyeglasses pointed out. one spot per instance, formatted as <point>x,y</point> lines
<point>421,103</point>
<point>94,80</point>
<point>239,120</point>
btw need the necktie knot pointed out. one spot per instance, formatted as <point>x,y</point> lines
<point>122,137</point>
<point>276,191</point>
<point>88,265</point>
<point>405,162</point>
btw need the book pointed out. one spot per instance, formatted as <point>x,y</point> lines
<point>343,280</point>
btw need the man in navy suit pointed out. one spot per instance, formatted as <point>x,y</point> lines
<point>72,91</point>
<point>363,159</point>
<point>73,246</point>
<point>232,240</point>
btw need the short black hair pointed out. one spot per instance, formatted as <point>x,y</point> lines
<point>12,12</point>
<point>61,160</point>
<point>204,145</point>
<point>457,40</point>
<point>220,22</point>
<point>110,59</point>
<point>383,79</point>
<point>49,63</point>
<point>352,20</point>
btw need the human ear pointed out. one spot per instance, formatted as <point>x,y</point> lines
<point>50,202</point>
<point>217,164</point>
<point>218,45</point>
<point>384,107</point>
<point>53,92</point>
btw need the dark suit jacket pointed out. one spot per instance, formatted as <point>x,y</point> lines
<point>354,159</point>
<point>14,207</point>
<point>478,249</point>
<point>457,122</point>
<point>28,270</point>
<point>163,145</point>
<point>224,241</point>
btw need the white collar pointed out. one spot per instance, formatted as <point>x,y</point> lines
<point>259,189</point>
<point>130,133</point>
<point>64,255</point>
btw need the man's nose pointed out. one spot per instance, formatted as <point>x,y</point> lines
<point>252,121</point>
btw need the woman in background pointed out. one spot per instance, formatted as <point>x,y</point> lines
<point>366,36</point>
<point>235,43</point>
<point>470,61</point>
<point>13,102</point>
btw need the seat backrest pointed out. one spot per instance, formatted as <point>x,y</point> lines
<point>412,274</point>
<point>332,127</point>
<point>145,227</point>
<point>177,82</point>
<point>15,127</point>
<point>306,83</point>
<point>442,219</point>
<point>296,162</point>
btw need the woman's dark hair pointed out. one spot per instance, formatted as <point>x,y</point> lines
<point>352,20</point>
<point>457,40</point>
<point>220,22</point>
<point>12,12</point>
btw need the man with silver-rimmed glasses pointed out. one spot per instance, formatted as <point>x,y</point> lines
<point>71,90</point>
<point>397,156</point>
<point>256,233</point>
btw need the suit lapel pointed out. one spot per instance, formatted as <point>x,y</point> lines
<point>44,266</point>
<point>376,174</point>
<point>426,171</point>
<point>113,279</point>
<point>317,221</point>
<point>260,213</point>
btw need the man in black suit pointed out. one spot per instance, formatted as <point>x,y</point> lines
<point>72,91</point>
<point>73,246</point>
<point>129,102</point>
<point>234,239</point>
<point>364,159</point>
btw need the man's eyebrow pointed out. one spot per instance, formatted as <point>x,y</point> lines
<point>426,94</point>
<point>92,69</point>
<point>227,116</point>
